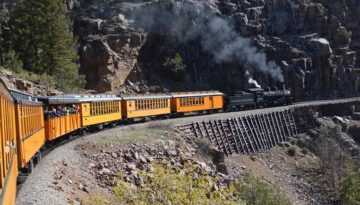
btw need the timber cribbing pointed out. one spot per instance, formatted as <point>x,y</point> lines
<point>246,134</point>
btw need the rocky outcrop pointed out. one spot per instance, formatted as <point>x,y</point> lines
<point>315,42</point>
<point>13,82</point>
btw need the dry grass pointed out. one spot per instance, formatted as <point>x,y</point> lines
<point>132,135</point>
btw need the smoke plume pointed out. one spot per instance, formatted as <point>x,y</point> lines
<point>254,82</point>
<point>191,20</point>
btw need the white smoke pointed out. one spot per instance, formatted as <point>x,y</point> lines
<point>191,20</point>
<point>254,82</point>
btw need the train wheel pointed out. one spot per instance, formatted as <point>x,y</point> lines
<point>38,157</point>
<point>30,166</point>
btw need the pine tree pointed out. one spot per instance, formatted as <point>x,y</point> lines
<point>60,52</point>
<point>28,33</point>
<point>8,57</point>
<point>44,41</point>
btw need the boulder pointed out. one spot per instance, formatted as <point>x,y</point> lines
<point>320,47</point>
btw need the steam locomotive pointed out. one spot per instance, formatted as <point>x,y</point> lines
<point>257,98</point>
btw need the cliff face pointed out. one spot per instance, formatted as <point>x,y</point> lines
<point>186,45</point>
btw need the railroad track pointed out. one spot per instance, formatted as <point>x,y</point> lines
<point>240,133</point>
<point>24,174</point>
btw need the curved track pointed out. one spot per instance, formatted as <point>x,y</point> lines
<point>58,154</point>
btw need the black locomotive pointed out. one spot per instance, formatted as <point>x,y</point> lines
<point>257,98</point>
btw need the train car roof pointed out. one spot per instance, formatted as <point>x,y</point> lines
<point>139,97</point>
<point>196,94</point>
<point>255,90</point>
<point>23,97</point>
<point>74,99</point>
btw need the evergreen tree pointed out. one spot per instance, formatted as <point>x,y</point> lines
<point>44,41</point>
<point>8,57</point>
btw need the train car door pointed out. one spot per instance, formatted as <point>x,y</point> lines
<point>211,102</point>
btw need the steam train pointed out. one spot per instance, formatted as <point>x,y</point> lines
<point>28,123</point>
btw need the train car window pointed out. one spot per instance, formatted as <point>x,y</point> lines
<point>102,108</point>
<point>105,107</point>
<point>94,107</point>
<point>130,104</point>
<point>91,108</point>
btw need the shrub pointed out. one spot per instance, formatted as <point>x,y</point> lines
<point>257,192</point>
<point>292,151</point>
<point>43,79</point>
<point>305,150</point>
<point>175,67</point>
<point>350,190</point>
<point>93,201</point>
<point>168,185</point>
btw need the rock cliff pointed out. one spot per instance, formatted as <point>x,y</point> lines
<point>209,44</point>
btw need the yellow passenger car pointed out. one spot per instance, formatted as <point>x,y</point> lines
<point>196,101</point>
<point>146,105</point>
<point>100,109</point>
<point>30,128</point>
<point>8,154</point>
<point>61,114</point>
<point>71,112</point>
